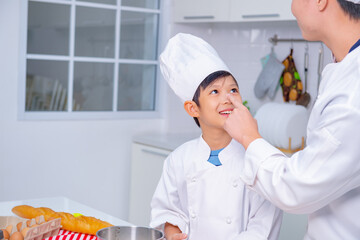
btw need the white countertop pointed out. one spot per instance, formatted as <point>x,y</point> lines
<point>167,141</point>
<point>61,204</point>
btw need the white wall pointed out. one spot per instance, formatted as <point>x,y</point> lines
<point>87,161</point>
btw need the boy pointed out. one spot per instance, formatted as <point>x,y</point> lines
<point>200,195</point>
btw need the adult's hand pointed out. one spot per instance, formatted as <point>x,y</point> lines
<point>240,124</point>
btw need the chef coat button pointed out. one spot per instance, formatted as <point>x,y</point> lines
<point>193,179</point>
<point>193,215</point>
<point>228,220</point>
<point>235,184</point>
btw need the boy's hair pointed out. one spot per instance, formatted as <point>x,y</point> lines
<point>205,83</point>
<point>350,8</point>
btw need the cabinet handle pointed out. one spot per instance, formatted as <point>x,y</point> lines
<point>154,152</point>
<point>271,15</point>
<point>198,17</point>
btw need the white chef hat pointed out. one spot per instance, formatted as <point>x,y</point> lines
<point>354,1</point>
<point>186,61</point>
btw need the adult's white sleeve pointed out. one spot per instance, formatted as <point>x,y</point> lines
<point>165,204</point>
<point>326,169</point>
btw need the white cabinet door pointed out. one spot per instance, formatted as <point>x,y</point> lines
<point>201,10</point>
<point>146,168</point>
<point>260,10</point>
<point>232,10</point>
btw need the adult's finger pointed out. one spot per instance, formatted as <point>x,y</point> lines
<point>235,101</point>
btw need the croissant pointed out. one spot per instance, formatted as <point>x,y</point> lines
<point>81,224</point>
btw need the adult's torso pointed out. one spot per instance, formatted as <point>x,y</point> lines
<point>340,85</point>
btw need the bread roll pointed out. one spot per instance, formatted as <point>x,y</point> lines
<point>81,224</point>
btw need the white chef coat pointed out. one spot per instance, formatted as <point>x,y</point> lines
<point>211,202</point>
<point>323,180</point>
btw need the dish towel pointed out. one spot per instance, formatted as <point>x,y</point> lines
<point>67,235</point>
<point>268,79</point>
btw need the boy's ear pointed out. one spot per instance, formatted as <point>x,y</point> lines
<point>191,108</point>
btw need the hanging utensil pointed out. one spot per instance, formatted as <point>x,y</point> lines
<point>304,99</point>
<point>320,65</point>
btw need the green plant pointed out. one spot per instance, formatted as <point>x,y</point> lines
<point>245,103</point>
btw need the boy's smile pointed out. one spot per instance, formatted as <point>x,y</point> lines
<point>226,111</point>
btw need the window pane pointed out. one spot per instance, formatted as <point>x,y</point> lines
<point>153,4</point>
<point>113,2</point>
<point>48,28</point>
<point>93,86</point>
<point>46,85</point>
<point>138,37</point>
<point>136,87</point>
<point>95,32</point>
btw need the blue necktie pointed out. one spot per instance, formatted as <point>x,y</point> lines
<point>214,159</point>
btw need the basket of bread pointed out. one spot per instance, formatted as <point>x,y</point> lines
<point>39,223</point>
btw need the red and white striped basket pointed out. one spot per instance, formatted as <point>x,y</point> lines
<point>67,235</point>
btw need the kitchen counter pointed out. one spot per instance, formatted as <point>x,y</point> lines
<point>61,204</point>
<point>166,141</point>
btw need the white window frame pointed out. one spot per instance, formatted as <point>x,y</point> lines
<point>69,114</point>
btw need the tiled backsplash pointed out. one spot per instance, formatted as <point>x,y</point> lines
<point>241,46</point>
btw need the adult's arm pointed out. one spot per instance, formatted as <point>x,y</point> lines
<point>326,169</point>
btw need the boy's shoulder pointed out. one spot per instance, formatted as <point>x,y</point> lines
<point>184,154</point>
<point>187,147</point>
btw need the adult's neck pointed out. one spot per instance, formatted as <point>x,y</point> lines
<point>341,35</point>
<point>216,138</point>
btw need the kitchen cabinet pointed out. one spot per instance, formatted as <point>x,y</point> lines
<point>146,168</point>
<point>232,10</point>
<point>201,10</point>
<point>149,152</point>
<point>260,10</point>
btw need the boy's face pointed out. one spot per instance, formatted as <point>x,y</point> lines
<point>214,106</point>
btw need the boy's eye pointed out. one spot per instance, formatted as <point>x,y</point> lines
<point>214,92</point>
<point>234,90</point>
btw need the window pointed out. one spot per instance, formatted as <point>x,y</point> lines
<point>90,58</point>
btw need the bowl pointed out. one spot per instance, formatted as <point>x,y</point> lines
<point>129,233</point>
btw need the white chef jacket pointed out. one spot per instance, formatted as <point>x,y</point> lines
<point>211,202</point>
<point>323,180</point>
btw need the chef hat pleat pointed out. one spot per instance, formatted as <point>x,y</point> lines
<point>186,61</point>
